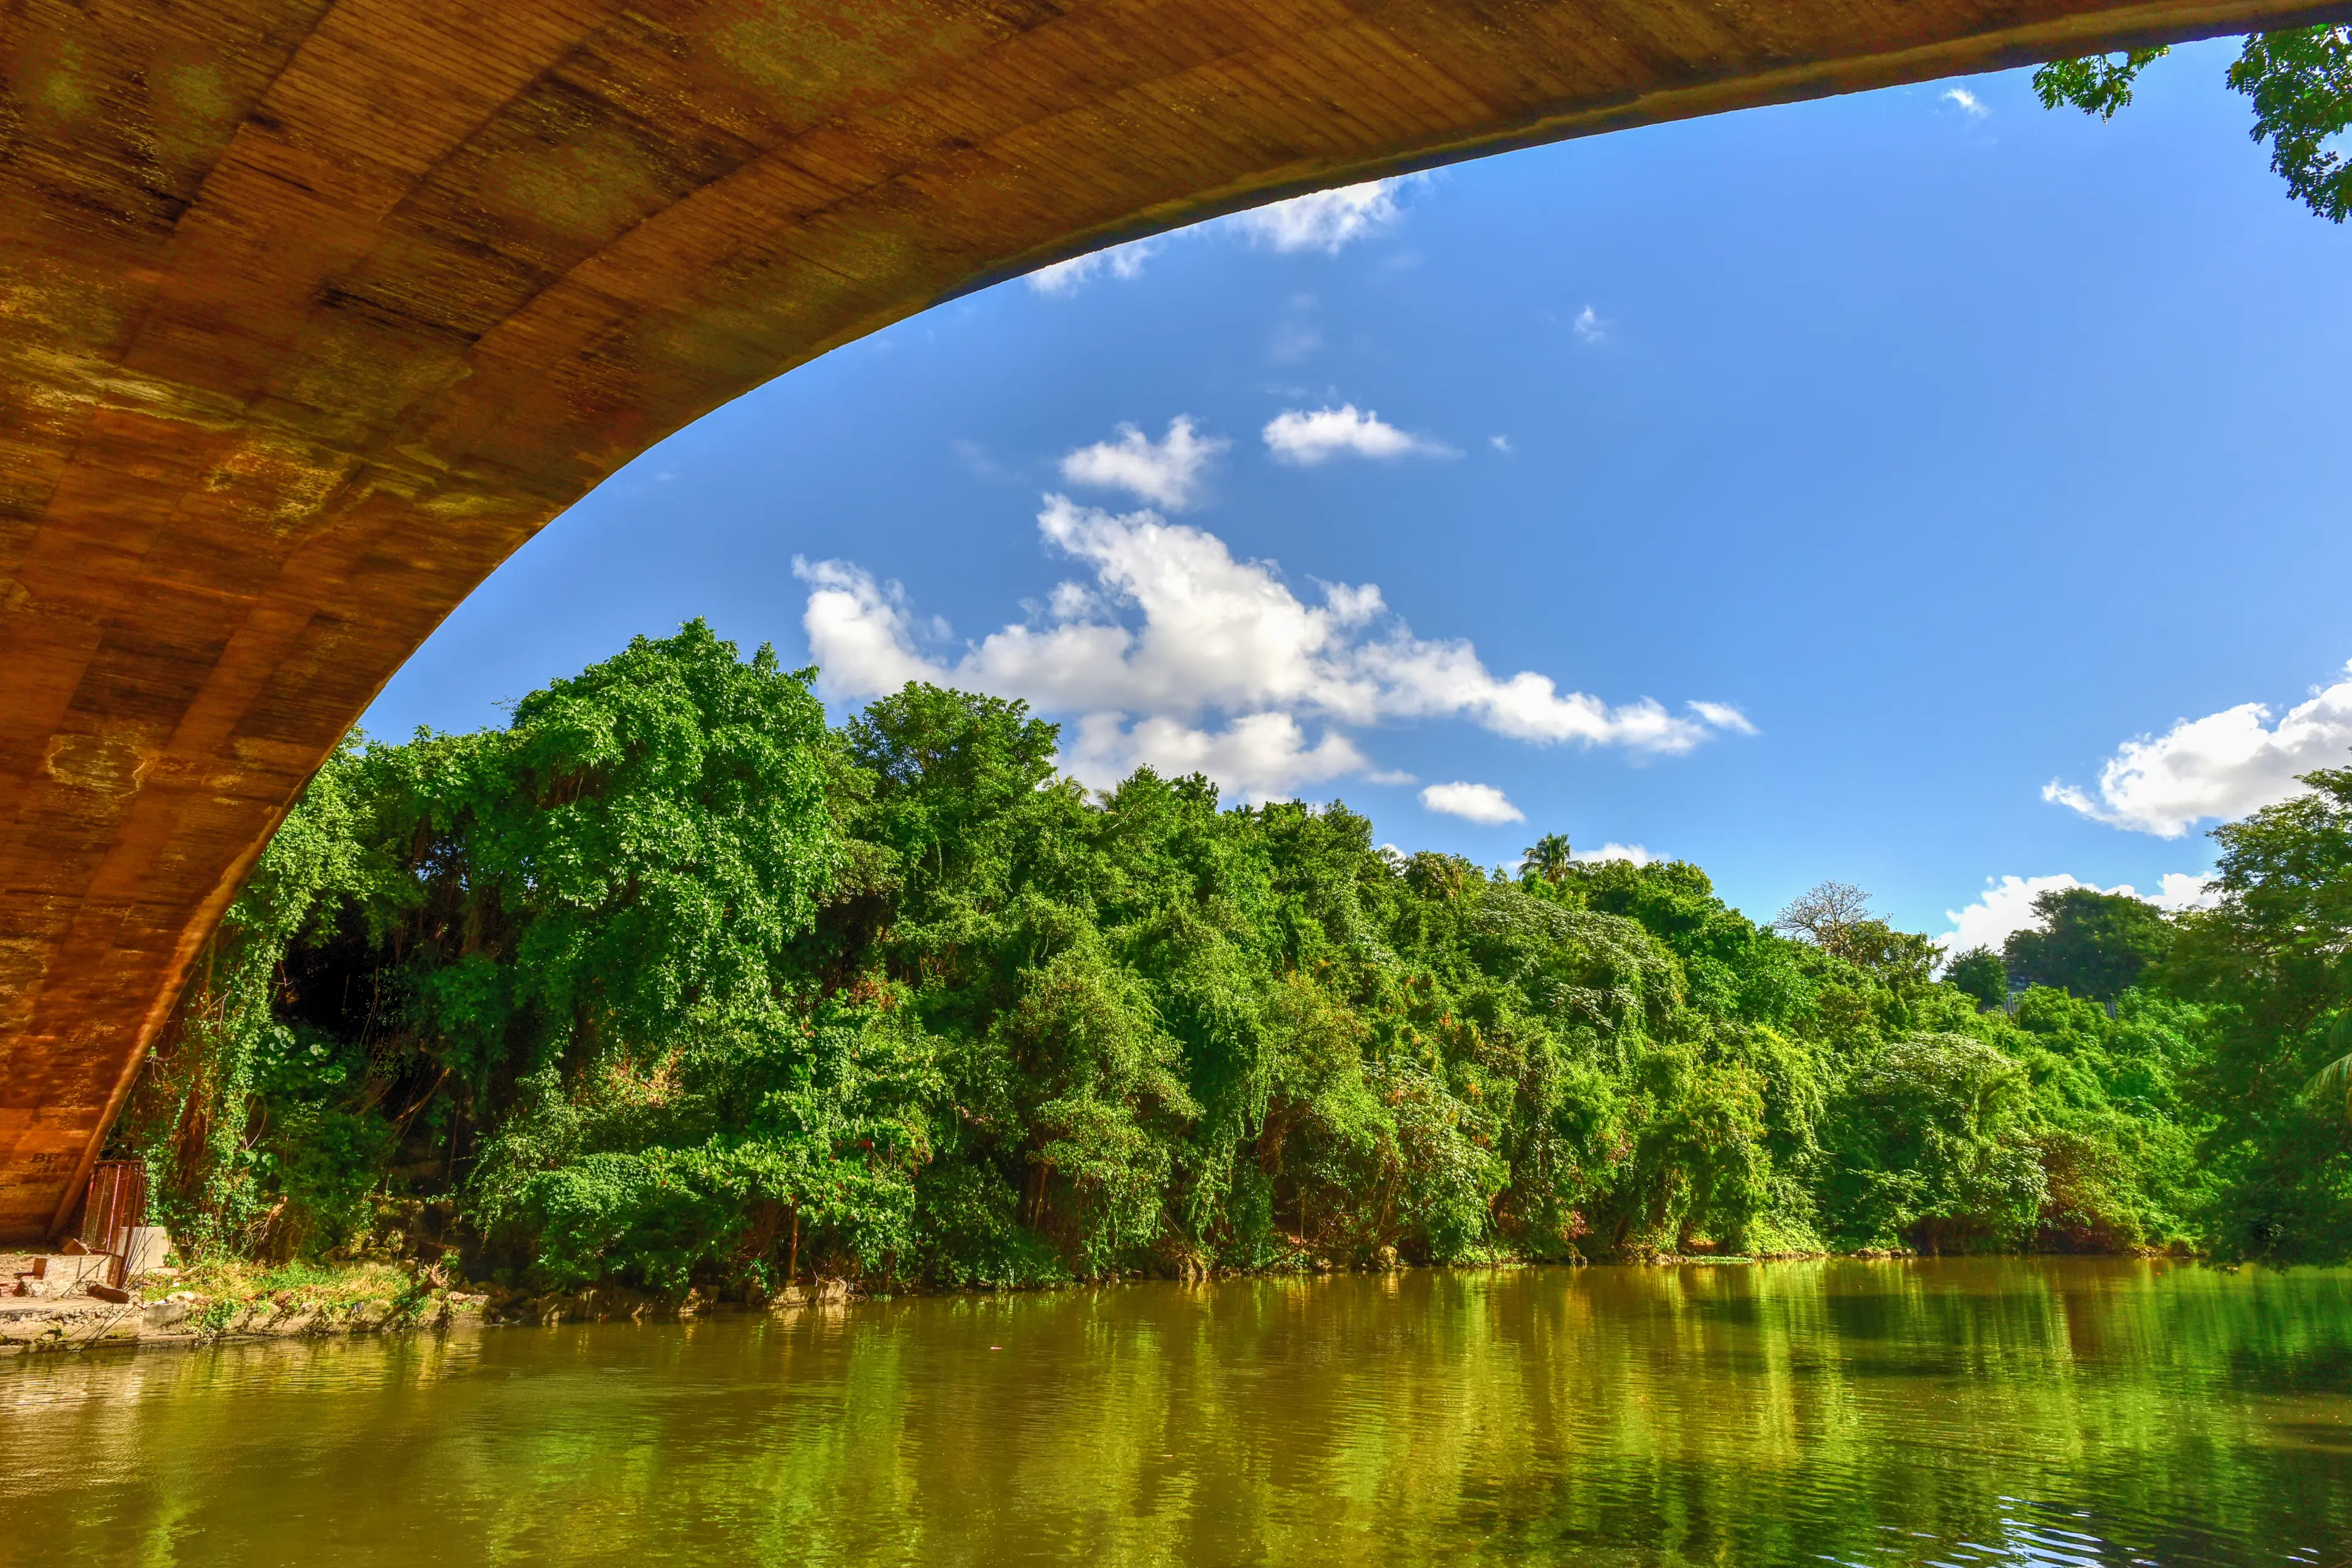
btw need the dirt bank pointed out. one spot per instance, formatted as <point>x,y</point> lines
<point>228,1300</point>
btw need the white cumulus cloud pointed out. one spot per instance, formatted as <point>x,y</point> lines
<point>1298,436</point>
<point>1174,653</point>
<point>1723,716</point>
<point>1590,326</point>
<point>1121,261</point>
<point>1166,471</point>
<point>1265,756</point>
<point>2177,890</point>
<point>2222,765</point>
<point>1612,851</point>
<point>863,632</point>
<point>2007,905</point>
<point>1967,102</point>
<point>1328,221</point>
<point>1472,802</point>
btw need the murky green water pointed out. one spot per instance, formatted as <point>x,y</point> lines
<point>1945,1413</point>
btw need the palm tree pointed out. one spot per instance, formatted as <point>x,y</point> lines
<point>1548,857</point>
<point>2336,1078</point>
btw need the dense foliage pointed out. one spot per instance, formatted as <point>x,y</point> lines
<point>668,982</point>
<point>2273,967</point>
<point>2087,942</point>
<point>2299,78</point>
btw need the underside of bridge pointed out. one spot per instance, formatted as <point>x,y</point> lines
<point>311,311</point>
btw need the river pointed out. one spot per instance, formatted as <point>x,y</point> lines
<point>2036,1411</point>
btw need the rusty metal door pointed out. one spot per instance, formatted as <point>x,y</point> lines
<point>117,1202</point>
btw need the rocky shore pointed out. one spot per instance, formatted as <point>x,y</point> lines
<point>193,1306</point>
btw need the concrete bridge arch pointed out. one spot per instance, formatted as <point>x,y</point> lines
<point>312,311</point>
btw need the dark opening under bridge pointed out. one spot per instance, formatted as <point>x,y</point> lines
<point>311,311</point>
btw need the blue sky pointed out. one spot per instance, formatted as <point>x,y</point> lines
<point>1939,447</point>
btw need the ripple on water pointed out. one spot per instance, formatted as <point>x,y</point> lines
<point>2075,1411</point>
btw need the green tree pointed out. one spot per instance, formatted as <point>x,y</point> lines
<point>1980,974</point>
<point>2088,942</point>
<point>2300,79</point>
<point>2301,83</point>
<point>1550,858</point>
<point>667,983</point>
<point>2335,1079</point>
<point>1930,1143</point>
<point>2095,84</point>
<point>2274,960</point>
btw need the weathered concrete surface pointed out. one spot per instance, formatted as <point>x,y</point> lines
<point>312,313</point>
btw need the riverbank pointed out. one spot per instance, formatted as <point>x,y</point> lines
<point>220,1299</point>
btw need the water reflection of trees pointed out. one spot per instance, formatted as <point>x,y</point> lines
<point>1737,1414</point>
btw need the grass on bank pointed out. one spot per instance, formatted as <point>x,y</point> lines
<point>223,1290</point>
